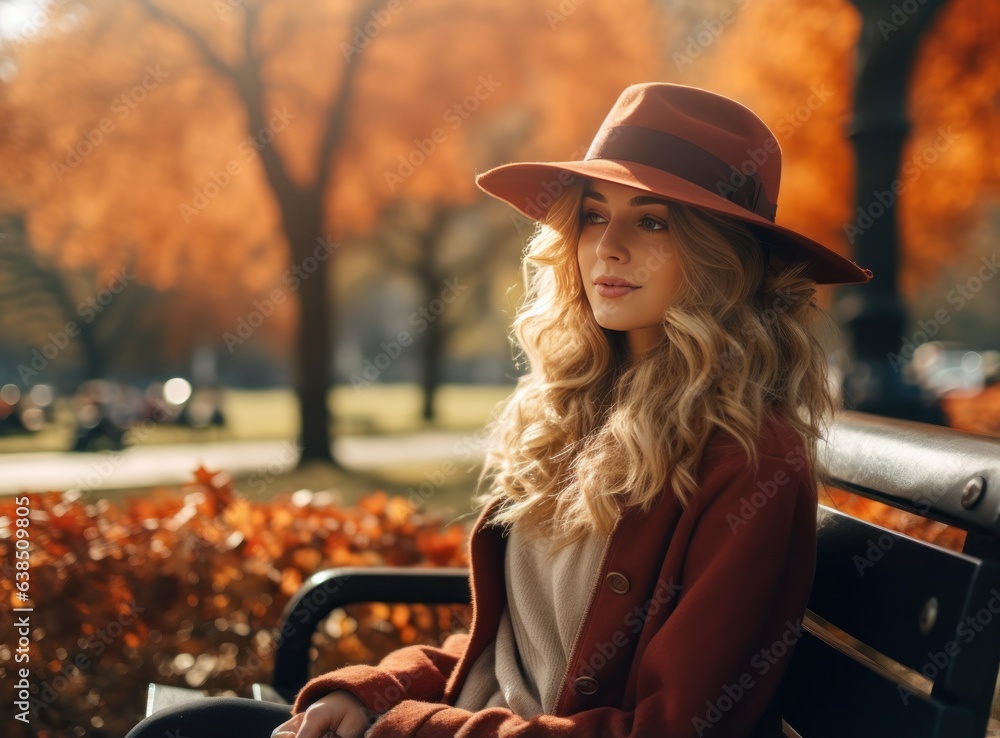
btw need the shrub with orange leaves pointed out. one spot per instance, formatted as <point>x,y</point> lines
<point>974,413</point>
<point>893,518</point>
<point>186,587</point>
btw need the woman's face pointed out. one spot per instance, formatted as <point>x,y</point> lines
<point>627,261</point>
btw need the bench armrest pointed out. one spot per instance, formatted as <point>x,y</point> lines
<point>938,473</point>
<point>327,590</point>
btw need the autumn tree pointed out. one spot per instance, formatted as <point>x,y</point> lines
<point>227,149</point>
<point>802,87</point>
<point>59,312</point>
<point>449,259</point>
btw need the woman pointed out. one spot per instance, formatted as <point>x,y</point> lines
<point>647,543</point>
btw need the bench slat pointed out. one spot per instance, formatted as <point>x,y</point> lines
<point>875,583</point>
<point>829,694</point>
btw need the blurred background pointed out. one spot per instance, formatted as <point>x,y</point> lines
<point>247,221</point>
<point>242,255</point>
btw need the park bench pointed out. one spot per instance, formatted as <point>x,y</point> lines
<point>899,636</point>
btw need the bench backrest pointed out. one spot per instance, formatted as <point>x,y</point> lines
<point>914,646</point>
<point>901,638</point>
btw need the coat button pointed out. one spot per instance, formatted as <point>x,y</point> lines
<point>585,685</point>
<point>618,582</point>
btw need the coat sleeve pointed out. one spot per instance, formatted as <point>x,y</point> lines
<point>409,673</point>
<point>716,662</point>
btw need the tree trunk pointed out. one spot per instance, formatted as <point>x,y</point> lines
<point>431,369</point>
<point>312,268</point>
<point>301,212</point>
<point>27,272</point>
<point>877,131</point>
<point>436,333</point>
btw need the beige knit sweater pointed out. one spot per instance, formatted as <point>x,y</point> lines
<point>546,598</point>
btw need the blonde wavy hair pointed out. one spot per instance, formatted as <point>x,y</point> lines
<point>590,431</point>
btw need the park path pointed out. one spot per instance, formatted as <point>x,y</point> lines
<point>148,466</point>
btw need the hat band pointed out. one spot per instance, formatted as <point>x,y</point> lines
<point>683,159</point>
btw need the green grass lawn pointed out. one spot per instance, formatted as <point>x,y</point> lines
<point>377,409</point>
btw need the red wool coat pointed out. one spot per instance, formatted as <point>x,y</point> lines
<point>690,627</point>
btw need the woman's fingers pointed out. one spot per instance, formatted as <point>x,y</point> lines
<point>355,723</point>
<point>289,728</point>
<point>318,721</point>
<point>314,724</point>
<point>338,714</point>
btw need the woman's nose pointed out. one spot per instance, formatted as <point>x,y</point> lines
<point>612,246</point>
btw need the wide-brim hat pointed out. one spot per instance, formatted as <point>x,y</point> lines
<point>690,146</point>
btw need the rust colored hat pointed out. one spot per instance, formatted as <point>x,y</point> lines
<point>688,145</point>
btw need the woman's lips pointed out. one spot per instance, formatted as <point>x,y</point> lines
<point>609,285</point>
<point>613,290</point>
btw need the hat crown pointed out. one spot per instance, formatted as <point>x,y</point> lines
<point>721,126</point>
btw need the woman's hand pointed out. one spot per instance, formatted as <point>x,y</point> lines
<point>339,712</point>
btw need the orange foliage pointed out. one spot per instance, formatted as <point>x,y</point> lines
<point>488,78</point>
<point>978,413</point>
<point>893,518</point>
<point>185,587</point>
<point>777,57</point>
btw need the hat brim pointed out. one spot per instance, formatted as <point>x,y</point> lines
<point>532,187</point>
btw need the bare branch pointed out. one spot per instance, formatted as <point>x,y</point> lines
<point>336,114</point>
<point>249,81</point>
<point>211,58</point>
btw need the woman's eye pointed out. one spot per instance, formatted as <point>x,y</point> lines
<point>592,217</point>
<point>652,224</point>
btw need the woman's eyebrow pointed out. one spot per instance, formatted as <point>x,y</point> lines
<point>635,202</point>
